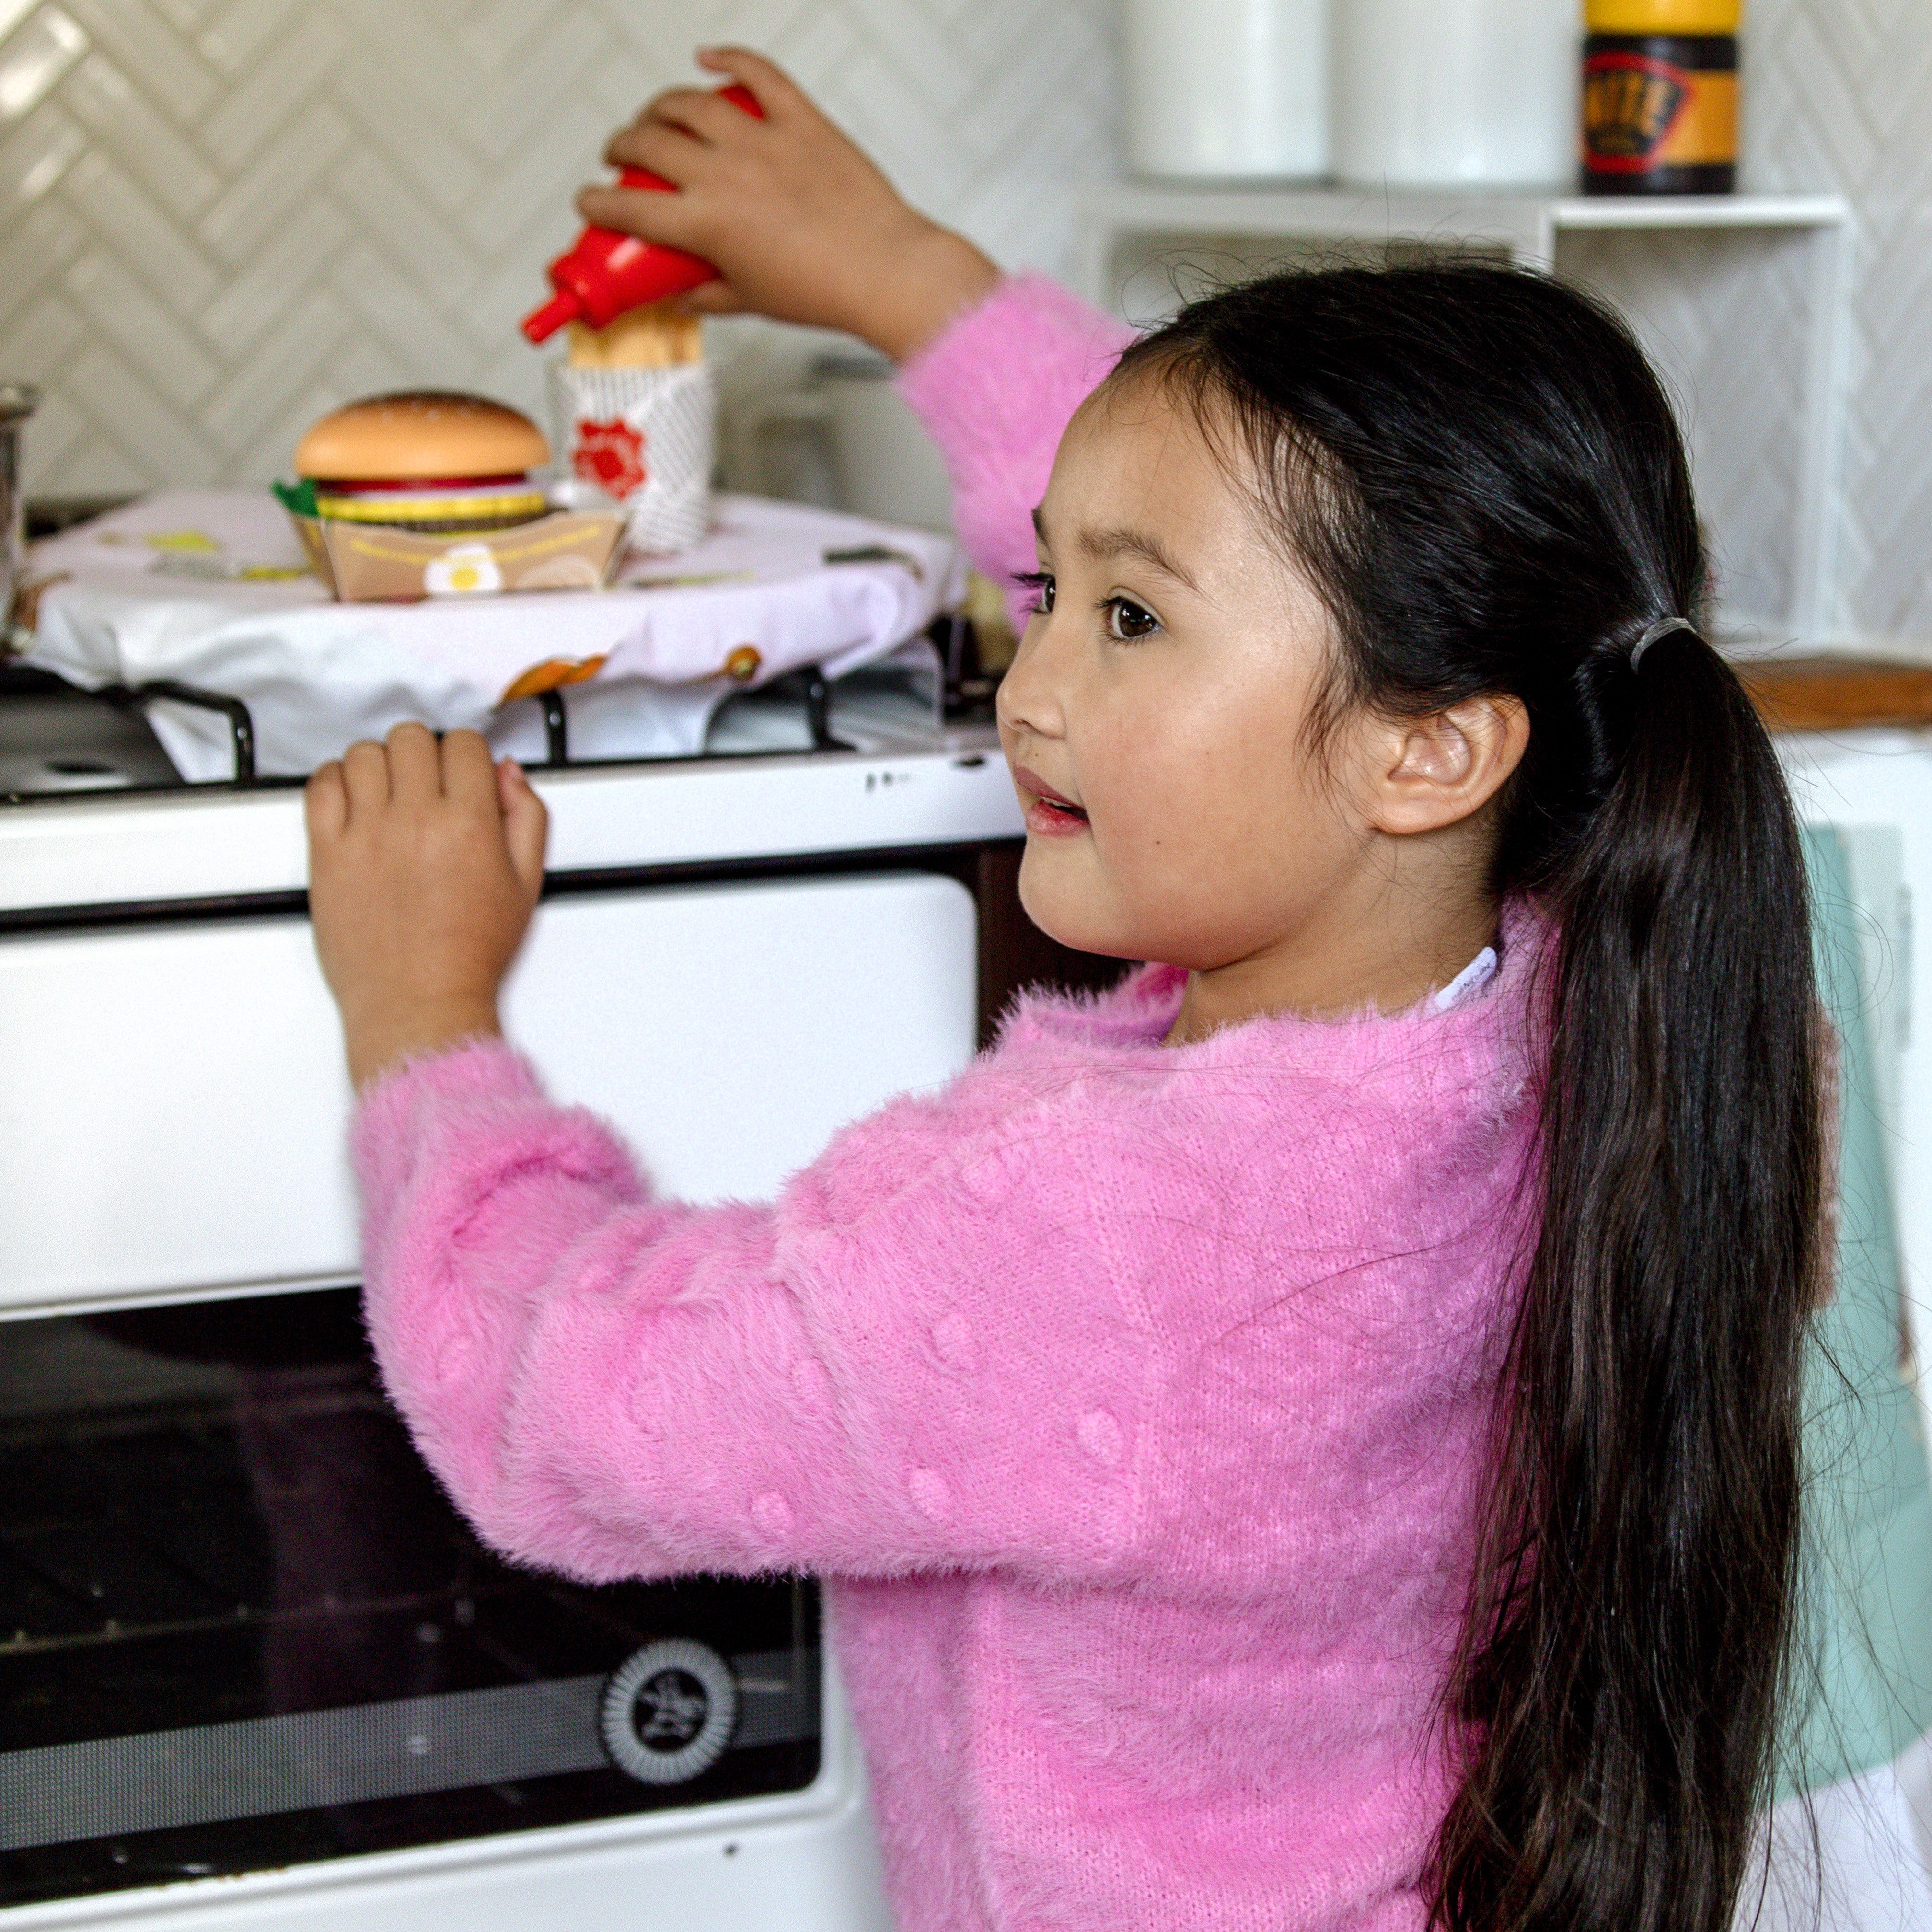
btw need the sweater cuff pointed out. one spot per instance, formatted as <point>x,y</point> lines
<point>483,1069</point>
<point>962,384</point>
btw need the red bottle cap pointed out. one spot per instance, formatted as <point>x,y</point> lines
<point>603,274</point>
<point>541,323</point>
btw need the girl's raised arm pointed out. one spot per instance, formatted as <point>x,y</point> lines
<point>804,228</point>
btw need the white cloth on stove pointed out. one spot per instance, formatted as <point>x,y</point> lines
<point>148,592</point>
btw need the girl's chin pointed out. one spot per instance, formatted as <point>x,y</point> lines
<point>1056,903</point>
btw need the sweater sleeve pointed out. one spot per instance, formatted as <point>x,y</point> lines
<point>996,389</point>
<point>854,1379</point>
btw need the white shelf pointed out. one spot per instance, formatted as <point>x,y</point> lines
<point>1526,223</point>
<point>1524,226</point>
<point>1701,211</point>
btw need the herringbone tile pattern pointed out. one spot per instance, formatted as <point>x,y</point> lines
<point>1839,96</point>
<point>218,217</point>
<point>1725,317</point>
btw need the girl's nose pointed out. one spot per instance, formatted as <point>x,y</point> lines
<point>1028,699</point>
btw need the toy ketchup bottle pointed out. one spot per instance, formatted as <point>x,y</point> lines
<point>605,273</point>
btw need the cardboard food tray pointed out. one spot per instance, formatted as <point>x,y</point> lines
<point>363,563</point>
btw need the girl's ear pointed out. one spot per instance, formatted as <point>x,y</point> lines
<point>1438,770</point>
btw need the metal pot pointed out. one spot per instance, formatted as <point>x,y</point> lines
<point>18,401</point>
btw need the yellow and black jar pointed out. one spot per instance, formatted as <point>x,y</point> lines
<point>1660,97</point>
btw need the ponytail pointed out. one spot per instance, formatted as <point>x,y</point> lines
<point>1479,470</point>
<point>1623,1667</point>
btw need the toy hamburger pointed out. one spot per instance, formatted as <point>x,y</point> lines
<point>429,461</point>
<point>428,494</point>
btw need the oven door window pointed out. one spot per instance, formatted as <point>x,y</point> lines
<point>241,1627</point>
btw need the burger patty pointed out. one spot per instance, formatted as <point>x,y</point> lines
<point>451,506</point>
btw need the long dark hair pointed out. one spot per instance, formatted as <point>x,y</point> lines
<point>1482,475</point>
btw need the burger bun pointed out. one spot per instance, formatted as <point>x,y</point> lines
<point>420,434</point>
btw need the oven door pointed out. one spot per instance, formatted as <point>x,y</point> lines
<point>242,1635</point>
<point>241,1629</point>
<point>172,1098</point>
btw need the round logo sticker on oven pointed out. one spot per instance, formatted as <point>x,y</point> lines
<point>669,1710</point>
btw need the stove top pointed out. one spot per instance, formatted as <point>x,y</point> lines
<point>56,738</point>
<point>95,825</point>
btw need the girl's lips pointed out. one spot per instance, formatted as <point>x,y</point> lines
<point>1032,781</point>
<point>1054,821</point>
<point>1047,811</point>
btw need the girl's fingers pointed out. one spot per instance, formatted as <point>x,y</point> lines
<point>526,825</point>
<point>469,772</point>
<point>365,776</point>
<point>415,773</point>
<point>325,802</point>
<point>672,151</point>
<point>778,94</point>
<point>706,116</point>
<point>641,211</point>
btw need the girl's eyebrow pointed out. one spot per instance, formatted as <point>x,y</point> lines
<point>1100,545</point>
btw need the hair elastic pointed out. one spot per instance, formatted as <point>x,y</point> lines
<point>1662,628</point>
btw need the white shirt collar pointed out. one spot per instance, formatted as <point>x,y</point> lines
<point>1473,978</point>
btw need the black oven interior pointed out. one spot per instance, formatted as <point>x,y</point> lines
<point>241,1627</point>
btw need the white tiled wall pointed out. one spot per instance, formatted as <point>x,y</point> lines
<point>1727,316</point>
<point>1840,97</point>
<point>218,217</point>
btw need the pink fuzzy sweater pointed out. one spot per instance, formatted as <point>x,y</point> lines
<point>1128,1396</point>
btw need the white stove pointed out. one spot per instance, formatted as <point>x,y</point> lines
<point>252,1670</point>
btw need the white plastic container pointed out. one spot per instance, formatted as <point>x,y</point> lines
<point>1225,89</point>
<point>1456,93</point>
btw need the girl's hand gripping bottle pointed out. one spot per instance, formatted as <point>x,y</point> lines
<point>606,273</point>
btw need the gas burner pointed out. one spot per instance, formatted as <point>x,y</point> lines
<point>55,739</point>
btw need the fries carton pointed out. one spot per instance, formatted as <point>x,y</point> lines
<point>636,409</point>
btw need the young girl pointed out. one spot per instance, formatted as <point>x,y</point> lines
<point>1307,1439</point>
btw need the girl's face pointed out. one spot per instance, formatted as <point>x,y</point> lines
<point>1157,721</point>
<point>1163,687</point>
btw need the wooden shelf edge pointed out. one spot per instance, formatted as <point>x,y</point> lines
<point>1836,694</point>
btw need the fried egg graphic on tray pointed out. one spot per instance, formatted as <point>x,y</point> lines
<point>464,570</point>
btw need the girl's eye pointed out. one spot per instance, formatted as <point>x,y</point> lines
<point>1040,582</point>
<point>1127,620</point>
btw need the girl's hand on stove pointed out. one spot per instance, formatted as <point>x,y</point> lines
<point>799,223</point>
<point>425,860</point>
